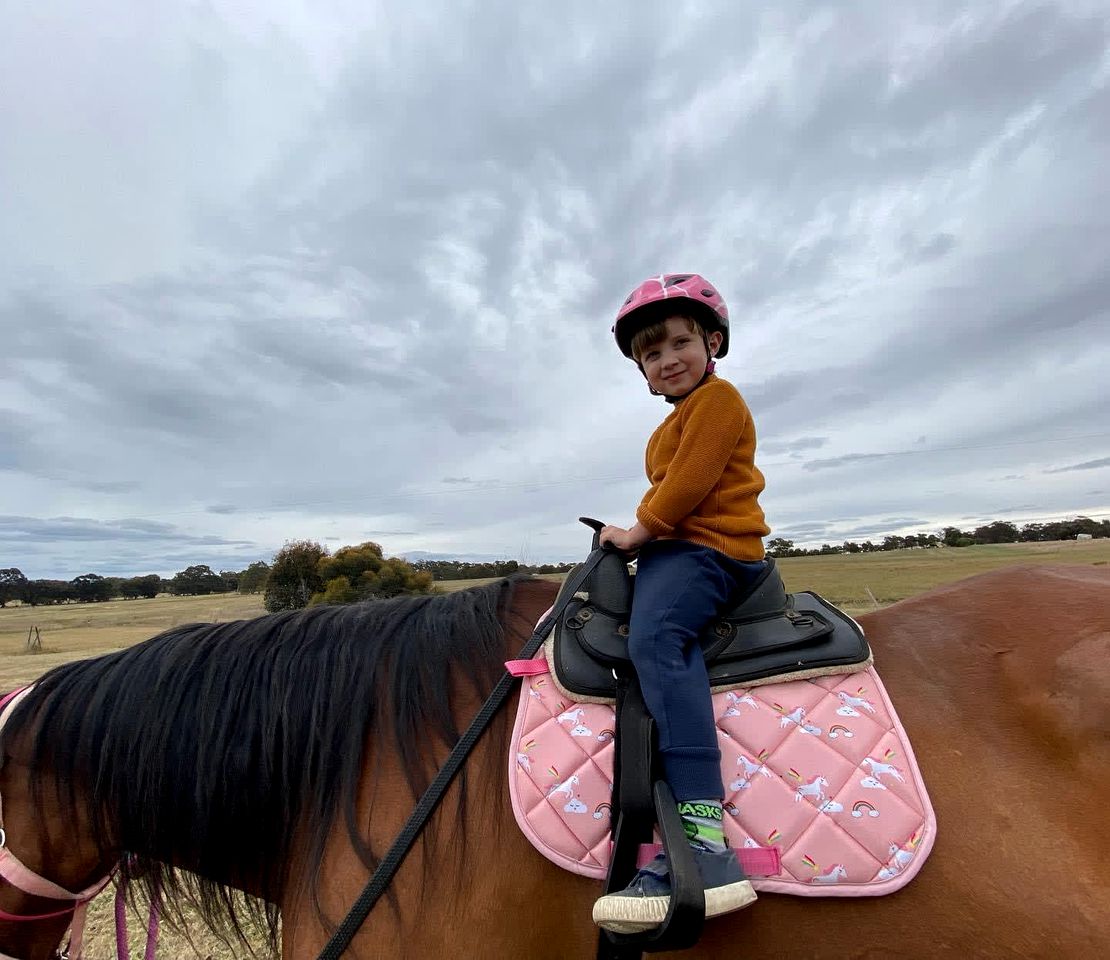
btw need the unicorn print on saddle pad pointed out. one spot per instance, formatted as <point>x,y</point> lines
<point>794,790</point>
<point>735,701</point>
<point>813,789</point>
<point>750,770</point>
<point>901,855</point>
<point>797,715</point>
<point>564,786</point>
<point>833,874</point>
<point>567,788</point>
<point>879,770</point>
<point>856,701</point>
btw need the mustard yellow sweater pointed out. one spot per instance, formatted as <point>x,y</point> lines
<point>704,483</point>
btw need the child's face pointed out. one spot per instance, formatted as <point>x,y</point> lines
<point>675,365</point>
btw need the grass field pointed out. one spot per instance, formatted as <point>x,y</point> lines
<point>855,582</point>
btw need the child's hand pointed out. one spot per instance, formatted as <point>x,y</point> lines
<point>627,541</point>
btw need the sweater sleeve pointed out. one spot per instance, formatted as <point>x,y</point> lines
<point>711,428</point>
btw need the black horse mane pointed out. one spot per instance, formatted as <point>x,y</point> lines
<point>221,747</point>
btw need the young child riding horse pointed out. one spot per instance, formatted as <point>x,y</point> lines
<point>698,531</point>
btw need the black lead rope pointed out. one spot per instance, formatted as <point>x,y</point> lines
<point>427,804</point>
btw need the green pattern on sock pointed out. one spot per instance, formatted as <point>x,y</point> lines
<point>703,821</point>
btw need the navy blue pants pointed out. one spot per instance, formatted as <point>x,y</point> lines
<point>680,588</point>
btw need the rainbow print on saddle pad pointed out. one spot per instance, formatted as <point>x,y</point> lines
<point>823,794</point>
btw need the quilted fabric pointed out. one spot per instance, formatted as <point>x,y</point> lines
<point>819,769</point>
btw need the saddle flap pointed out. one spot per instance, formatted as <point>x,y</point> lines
<point>601,635</point>
<point>812,637</point>
<point>789,628</point>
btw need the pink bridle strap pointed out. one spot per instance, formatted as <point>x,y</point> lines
<point>123,951</point>
<point>25,879</point>
<point>8,701</point>
<point>15,872</point>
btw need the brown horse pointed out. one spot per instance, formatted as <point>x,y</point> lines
<point>281,755</point>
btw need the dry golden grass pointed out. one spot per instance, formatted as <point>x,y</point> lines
<point>860,582</point>
<point>196,941</point>
<point>857,583</point>
<point>79,630</point>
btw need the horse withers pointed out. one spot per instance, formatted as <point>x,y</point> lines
<point>281,756</point>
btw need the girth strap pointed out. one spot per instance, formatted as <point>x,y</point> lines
<point>427,804</point>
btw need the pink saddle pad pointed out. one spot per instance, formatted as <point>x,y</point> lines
<point>824,796</point>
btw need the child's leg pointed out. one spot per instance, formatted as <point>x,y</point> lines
<point>679,590</point>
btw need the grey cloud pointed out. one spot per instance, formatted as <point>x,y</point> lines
<point>803,531</point>
<point>18,442</point>
<point>848,458</point>
<point>63,529</point>
<point>1086,465</point>
<point>923,250</point>
<point>106,486</point>
<point>792,446</point>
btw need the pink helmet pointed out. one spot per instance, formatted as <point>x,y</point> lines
<point>687,292</point>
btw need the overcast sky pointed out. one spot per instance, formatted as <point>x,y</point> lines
<point>346,270</point>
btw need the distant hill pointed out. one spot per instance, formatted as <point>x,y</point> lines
<point>414,555</point>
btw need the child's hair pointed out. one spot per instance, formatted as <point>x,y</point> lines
<point>656,332</point>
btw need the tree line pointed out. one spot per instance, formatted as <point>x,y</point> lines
<point>94,588</point>
<point>300,573</point>
<point>1000,531</point>
<point>304,572</point>
<point>465,570</point>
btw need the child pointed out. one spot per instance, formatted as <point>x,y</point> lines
<point>699,533</point>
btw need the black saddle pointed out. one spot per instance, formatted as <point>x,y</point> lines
<point>768,633</point>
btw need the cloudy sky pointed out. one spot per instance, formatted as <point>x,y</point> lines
<point>346,270</point>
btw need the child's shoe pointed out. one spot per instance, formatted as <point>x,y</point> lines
<point>644,902</point>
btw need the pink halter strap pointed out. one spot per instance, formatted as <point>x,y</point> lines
<point>15,872</point>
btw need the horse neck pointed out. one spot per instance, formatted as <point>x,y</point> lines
<point>531,599</point>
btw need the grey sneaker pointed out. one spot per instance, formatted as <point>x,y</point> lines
<point>643,903</point>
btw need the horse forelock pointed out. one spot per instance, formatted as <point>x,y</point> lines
<point>217,747</point>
